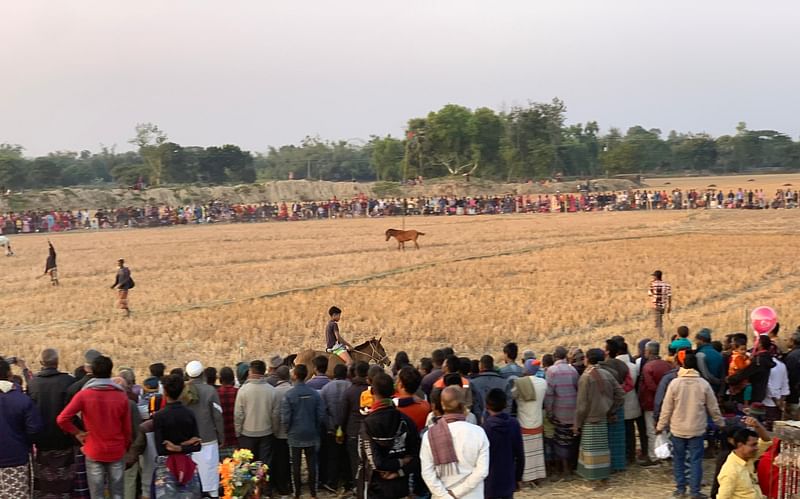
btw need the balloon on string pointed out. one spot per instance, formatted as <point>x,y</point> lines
<point>763,319</point>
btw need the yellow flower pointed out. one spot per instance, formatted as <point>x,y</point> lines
<point>243,455</point>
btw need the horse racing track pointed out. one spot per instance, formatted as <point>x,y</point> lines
<point>225,293</point>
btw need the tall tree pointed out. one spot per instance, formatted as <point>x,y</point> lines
<point>149,139</point>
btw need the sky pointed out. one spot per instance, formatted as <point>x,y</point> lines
<point>260,73</point>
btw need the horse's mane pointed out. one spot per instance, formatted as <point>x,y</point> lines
<point>365,343</point>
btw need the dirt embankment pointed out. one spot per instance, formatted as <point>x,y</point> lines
<point>277,191</point>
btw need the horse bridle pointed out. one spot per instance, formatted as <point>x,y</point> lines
<point>374,355</point>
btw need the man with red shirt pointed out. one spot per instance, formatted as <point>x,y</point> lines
<point>654,369</point>
<point>407,384</point>
<point>106,416</point>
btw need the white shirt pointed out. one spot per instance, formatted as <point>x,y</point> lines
<point>778,384</point>
<point>472,450</point>
<point>529,412</point>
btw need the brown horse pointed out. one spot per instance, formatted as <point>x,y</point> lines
<point>402,236</point>
<point>370,351</point>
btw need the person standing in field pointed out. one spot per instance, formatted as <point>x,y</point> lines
<point>50,266</point>
<point>123,283</point>
<point>660,293</point>
<point>335,343</point>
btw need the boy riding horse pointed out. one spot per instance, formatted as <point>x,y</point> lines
<point>336,344</point>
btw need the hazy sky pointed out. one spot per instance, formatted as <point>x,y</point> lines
<point>258,73</point>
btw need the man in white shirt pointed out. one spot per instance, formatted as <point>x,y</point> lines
<point>455,454</point>
<point>777,391</point>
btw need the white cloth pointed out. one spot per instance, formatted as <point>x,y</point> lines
<point>631,404</point>
<point>147,462</point>
<point>529,412</point>
<point>472,450</point>
<point>650,426</point>
<point>778,384</point>
<point>207,461</point>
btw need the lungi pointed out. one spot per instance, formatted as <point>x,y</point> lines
<point>207,461</point>
<point>122,296</point>
<point>54,473</point>
<point>15,482</point>
<point>80,484</point>
<point>533,446</point>
<point>594,456</point>
<point>564,442</point>
<point>616,441</point>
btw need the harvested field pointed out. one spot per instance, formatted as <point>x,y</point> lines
<point>221,293</point>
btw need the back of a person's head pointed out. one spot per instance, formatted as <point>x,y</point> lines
<point>690,360</point>
<point>511,350</point>
<point>373,371</point>
<point>595,355</point>
<point>452,379</point>
<point>339,371</point>
<point>283,373</point>
<point>210,374</point>
<point>437,357</point>
<point>623,346</point>
<point>383,385</point>
<point>157,370</point>
<point>425,364</point>
<point>452,364</point>
<point>764,342</point>
<point>452,400</point>
<point>739,340</point>
<point>613,348</point>
<point>173,386</point>
<point>401,359</point>
<point>301,372</point>
<point>5,370</point>
<point>487,363</point>
<point>717,345</point>
<point>410,378</point>
<point>464,366</point>
<point>321,364</point>
<point>496,400</point>
<point>334,311</point>
<point>258,367</point>
<point>653,347</point>
<point>683,332</point>
<point>226,376</point>
<point>362,368</point>
<point>448,351</point>
<point>548,360</point>
<point>50,358</point>
<point>560,353</point>
<point>102,367</point>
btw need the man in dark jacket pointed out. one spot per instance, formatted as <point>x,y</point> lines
<point>123,283</point>
<point>487,380</point>
<point>506,455</point>
<point>389,446</point>
<point>19,422</point>
<point>54,448</point>
<point>757,373</point>
<point>302,416</point>
<point>792,361</point>
<point>709,361</point>
<point>351,413</point>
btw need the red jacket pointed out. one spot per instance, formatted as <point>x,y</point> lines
<point>652,373</point>
<point>106,416</point>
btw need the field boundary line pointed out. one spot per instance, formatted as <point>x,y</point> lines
<point>343,283</point>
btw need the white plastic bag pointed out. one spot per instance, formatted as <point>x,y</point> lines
<point>663,448</point>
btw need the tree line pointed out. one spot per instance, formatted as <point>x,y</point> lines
<point>522,143</point>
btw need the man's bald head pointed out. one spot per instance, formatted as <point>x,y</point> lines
<point>50,358</point>
<point>453,400</point>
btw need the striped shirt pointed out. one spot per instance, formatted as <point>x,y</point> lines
<point>660,293</point>
<point>560,400</point>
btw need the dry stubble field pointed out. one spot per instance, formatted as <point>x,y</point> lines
<point>219,293</point>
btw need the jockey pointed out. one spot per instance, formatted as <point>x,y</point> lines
<point>336,344</point>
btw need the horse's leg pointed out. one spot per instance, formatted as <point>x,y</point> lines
<point>416,245</point>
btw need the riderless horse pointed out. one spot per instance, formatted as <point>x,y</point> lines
<point>402,236</point>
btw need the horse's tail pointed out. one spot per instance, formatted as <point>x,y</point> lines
<point>420,233</point>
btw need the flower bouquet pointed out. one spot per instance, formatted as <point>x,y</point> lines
<point>242,478</point>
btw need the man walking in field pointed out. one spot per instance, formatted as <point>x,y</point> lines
<point>50,266</point>
<point>660,293</point>
<point>123,283</point>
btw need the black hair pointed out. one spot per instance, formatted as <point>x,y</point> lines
<point>487,363</point>
<point>743,435</point>
<point>717,345</point>
<point>173,386</point>
<point>410,378</point>
<point>560,353</point>
<point>496,400</point>
<point>764,342</point>
<point>226,376</point>
<point>79,373</point>
<point>448,351</point>
<point>5,369</point>
<point>452,379</point>
<point>383,385</point>
<point>301,371</point>
<point>157,370</point>
<point>334,311</point>
<point>547,360</point>
<point>321,364</point>
<point>102,367</point>
<point>464,366</point>
<point>177,371</point>
<point>452,363</point>
<point>339,371</point>
<point>690,361</point>
<point>739,340</point>
<point>511,350</point>
<point>683,332</point>
<point>437,357</point>
<point>211,375</point>
<point>476,367</point>
<point>362,368</point>
<point>425,364</point>
<point>613,347</point>
<point>401,360</point>
<point>258,367</point>
<point>595,355</point>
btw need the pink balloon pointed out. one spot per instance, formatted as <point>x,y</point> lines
<point>763,319</point>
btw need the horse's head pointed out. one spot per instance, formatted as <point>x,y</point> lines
<point>388,233</point>
<point>378,353</point>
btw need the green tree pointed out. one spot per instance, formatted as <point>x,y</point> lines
<point>149,139</point>
<point>12,167</point>
<point>386,156</point>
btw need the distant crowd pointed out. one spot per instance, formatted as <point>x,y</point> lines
<point>363,206</point>
<point>446,427</point>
